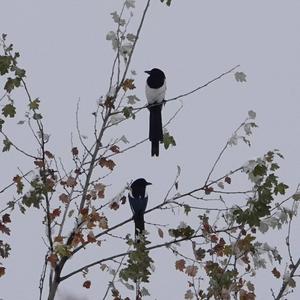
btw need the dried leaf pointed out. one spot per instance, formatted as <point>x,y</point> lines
<point>114,205</point>
<point>64,198</point>
<point>108,163</point>
<point>87,284</point>
<point>2,271</point>
<point>128,84</point>
<point>191,270</point>
<point>53,260</point>
<point>71,182</point>
<point>49,154</point>
<point>228,179</point>
<point>115,149</point>
<point>276,273</point>
<point>160,233</point>
<point>75,151</point>
<point>180,265</point>
<point>6,218</point>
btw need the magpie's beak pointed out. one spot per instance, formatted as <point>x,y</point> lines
<point>148,72</point>
<point>148,183</point>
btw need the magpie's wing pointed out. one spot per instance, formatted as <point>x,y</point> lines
<point>138,205</point>
<point>144,203</point>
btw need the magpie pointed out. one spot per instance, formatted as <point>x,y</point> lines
<point>155,93</point>
<point>138,200</point>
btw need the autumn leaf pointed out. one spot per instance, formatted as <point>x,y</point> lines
<point>108,163</point>
<point>208,190</point>
<point>115,149</point>
<point>91,237</point>
<point>160,233</point>
<point>114,205</point>
<point>128,84</point>
<point>227,179</point>
<point>100,189</point>
<point>71,182</point>
<point>55,213</point>
<point>4,229</point>
<point>58,239</point>
<point>87,284</point>
<point>276,273</point>
<point>75,151</point>
<point>39,163</point>
<point>103,267</point>
<point>191,270</point>
<point>180,265</point>
<point>2,271</point>
<point>103,224</point>
<point>18,180</point>
<point>6,218</point>
<point>64,198</point>
<point>53,260</point>
<point>49,154</point>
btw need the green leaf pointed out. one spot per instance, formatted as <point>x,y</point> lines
<point>128,112</point>
<point>168,2</point>
<point>5,62</point>
<point>9,110</point>
<point>12,83</point>
<point>187,209</point>
<point>280,188</point>
<point>35,104</point>
<point>20,72</point>
<point>296,196</point>
<point>169,140</point>
<point>7,143</point>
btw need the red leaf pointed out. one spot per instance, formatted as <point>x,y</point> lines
<point>2,271</point>
<point>87,284</point>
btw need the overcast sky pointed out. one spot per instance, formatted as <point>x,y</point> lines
<point>66,55</point>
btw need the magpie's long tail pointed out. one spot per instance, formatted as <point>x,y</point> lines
<point>139,223</point>
<point>155,128</point>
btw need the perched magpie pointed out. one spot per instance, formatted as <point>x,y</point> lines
<point>155,93</point>
<point>138,200</point>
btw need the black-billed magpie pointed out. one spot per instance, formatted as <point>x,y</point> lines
<point>155,93</point>
<point>138,200</point>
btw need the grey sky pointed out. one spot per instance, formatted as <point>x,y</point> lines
<point>64,50</point>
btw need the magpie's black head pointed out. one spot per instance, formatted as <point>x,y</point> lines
<point>141,182</point>
<point>156,73</point>
<point>138,188</point>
